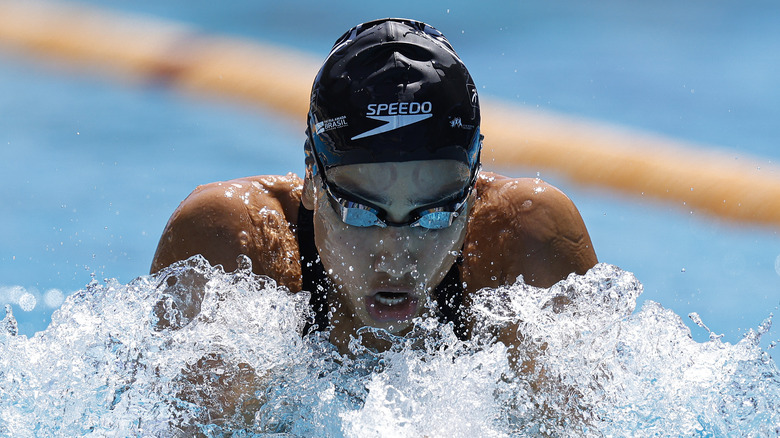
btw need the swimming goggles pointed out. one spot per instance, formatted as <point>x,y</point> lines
<point>360,213</point>
<point>364,214</point>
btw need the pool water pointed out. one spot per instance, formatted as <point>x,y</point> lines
<point>91,169</point>
<point>239,366</point>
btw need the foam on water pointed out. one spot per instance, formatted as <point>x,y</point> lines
<point>195,349</point>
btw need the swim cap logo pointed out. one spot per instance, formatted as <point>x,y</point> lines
<point>457,122</point>
<point>327,125</point>
<point>395,115</point>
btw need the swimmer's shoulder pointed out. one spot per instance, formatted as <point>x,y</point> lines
<point>524,226</point>
<point>518,200</point>
<point>254,216</point>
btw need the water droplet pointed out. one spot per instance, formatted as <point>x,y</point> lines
<point>53,298</point>
<point>697,320</point>
<point>27,302</point>
<point>777,265</point>
<point>9,324</point>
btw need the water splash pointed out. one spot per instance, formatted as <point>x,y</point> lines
<point>193,349</point>
<point>9,326</point>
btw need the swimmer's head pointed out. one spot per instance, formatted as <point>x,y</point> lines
<point>393,141</point>
<point>392,90</point>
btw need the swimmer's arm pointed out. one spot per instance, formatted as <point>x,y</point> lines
<point>206,223</point>
<point>523,226</point>
<point>250,216</point>
<point>557,243</point>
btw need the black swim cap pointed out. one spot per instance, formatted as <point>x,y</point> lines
<point>393,90</point>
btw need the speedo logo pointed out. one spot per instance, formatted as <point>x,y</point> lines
<point>398,108</point>
<point>395,115</point>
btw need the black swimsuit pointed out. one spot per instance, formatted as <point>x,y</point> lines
<point>449,293</point>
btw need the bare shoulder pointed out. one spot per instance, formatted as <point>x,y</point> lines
<point>524,226</point>
<point>524,201</point>
<point>221,220</point>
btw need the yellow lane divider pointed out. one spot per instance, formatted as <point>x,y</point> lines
<point>736,188</point>
<point>151,48</point>
<point>693,177</point>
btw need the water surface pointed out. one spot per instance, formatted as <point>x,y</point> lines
<point>238,365</point>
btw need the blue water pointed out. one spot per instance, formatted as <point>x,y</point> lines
<point>91,167</point>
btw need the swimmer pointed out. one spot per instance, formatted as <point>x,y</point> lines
<point>394,218</point>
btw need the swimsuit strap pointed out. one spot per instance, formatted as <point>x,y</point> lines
<point>449,298</point>
<point>449,293</point>
<point>314,280</point>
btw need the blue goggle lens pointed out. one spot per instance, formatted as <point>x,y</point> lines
<point>360,215</point>
<point>436,220</point>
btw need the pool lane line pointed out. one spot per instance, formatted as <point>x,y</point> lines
<point>143,48</point>
<point>146,48</point>
<point>730,185</point>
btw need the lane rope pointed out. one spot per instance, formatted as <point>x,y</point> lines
<point>144,48</point>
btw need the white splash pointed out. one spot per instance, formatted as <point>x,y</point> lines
<point>28,302</point>
<point>195,350</point>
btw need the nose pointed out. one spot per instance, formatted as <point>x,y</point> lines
<point>393,255</point>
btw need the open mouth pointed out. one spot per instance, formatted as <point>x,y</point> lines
<point>391,306</point>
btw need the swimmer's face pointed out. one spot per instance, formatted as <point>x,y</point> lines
<point>384,276</point>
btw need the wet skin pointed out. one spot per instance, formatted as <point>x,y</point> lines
<point>384,276</point>
<point>515,226</point>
